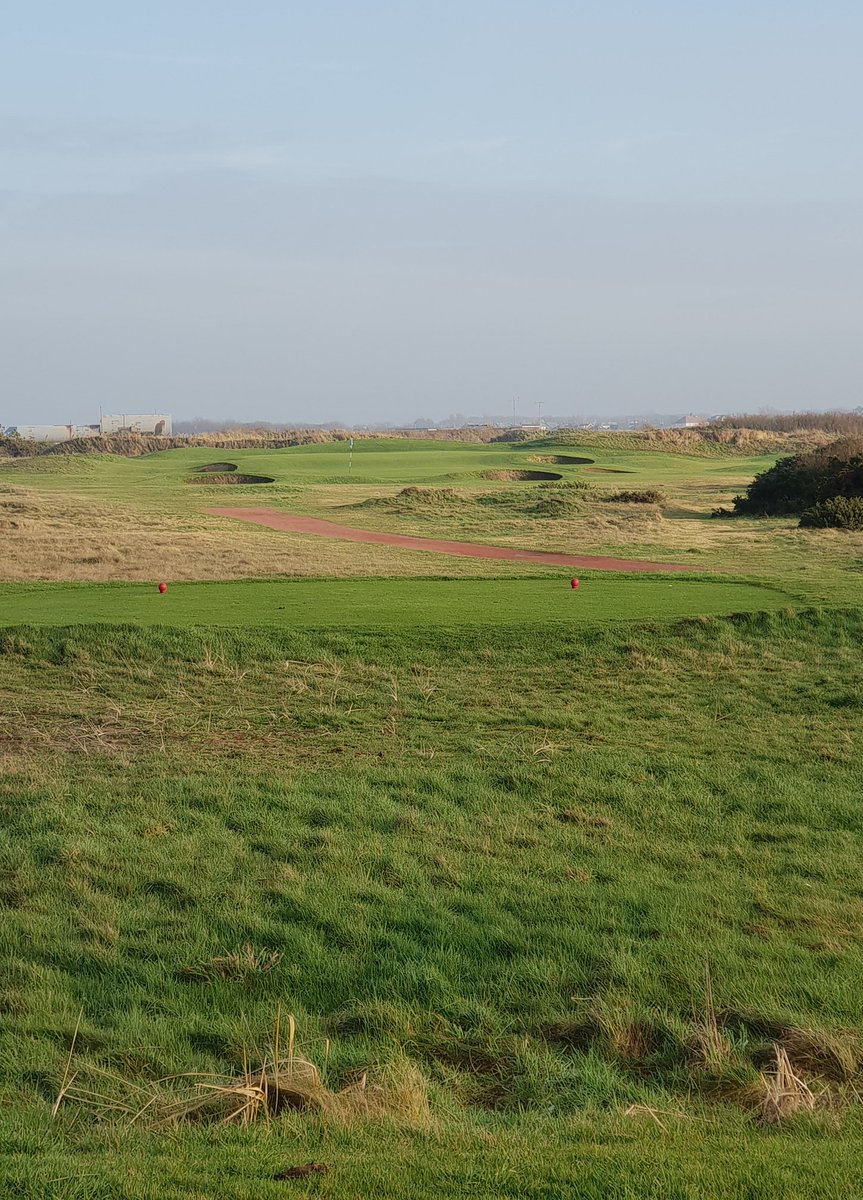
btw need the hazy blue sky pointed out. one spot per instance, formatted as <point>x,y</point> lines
<point>384,210</point>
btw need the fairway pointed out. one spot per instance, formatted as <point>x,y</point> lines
<point>385,602</point>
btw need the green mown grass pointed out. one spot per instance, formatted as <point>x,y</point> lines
<point>376,461</point>
<point>387,602</point>
<point>501,858</point>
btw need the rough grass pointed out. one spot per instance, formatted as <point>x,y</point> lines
<point>502,880</point>
<point>58,535</point>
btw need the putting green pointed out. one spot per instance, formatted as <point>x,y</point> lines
<point>384,602</point>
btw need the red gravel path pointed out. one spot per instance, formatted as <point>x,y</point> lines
<point>294,524</point>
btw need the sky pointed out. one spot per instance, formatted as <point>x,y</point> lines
<point>394,209</point>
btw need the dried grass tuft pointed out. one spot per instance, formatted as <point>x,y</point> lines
<point>646,1110</point>
<point>833,1056</point>
<point>707,1042</point>
<point>280,1081</point>
<point>785,1093</point>
<point>238,965</point>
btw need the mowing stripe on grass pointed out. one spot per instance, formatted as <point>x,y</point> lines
<point>385,602</point>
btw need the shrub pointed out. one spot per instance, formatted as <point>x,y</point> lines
<point>648,496</point>
<point>798,483</point>
<point>842,512</point>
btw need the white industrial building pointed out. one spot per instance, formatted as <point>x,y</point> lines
<point>153,424</point>
<point>150,424</point>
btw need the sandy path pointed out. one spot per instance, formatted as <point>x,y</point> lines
<point>295,524</point>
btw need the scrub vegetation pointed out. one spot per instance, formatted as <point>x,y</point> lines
<point>826,485</point>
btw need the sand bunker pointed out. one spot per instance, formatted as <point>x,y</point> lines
<point>563,460</point>
<point>521,476</point>
<point>229,478</point>
<point>607,471</point>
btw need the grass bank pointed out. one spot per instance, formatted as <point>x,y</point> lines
<point>557,895</point>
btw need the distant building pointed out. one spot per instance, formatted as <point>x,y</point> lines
<point>52,433</point>
<point>153,425</point>
<point>689,422</point>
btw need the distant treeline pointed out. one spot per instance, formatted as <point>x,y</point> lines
<point>846,424</point>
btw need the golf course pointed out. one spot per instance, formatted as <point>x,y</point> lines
<point>353,865</point>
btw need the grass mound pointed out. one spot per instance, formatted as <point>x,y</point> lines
<point>434,503</point>
<point>414,500</point>
<point>641,496</point>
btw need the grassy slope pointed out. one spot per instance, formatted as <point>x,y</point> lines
<point>455,863</point>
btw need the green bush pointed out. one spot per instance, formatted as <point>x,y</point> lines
<point>796,484</point>
<point>842,512</point>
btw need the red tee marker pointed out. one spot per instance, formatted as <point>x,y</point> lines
<point>163,587</point>
<point>573,583</point>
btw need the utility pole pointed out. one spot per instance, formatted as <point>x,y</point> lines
<point>539,405</point>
